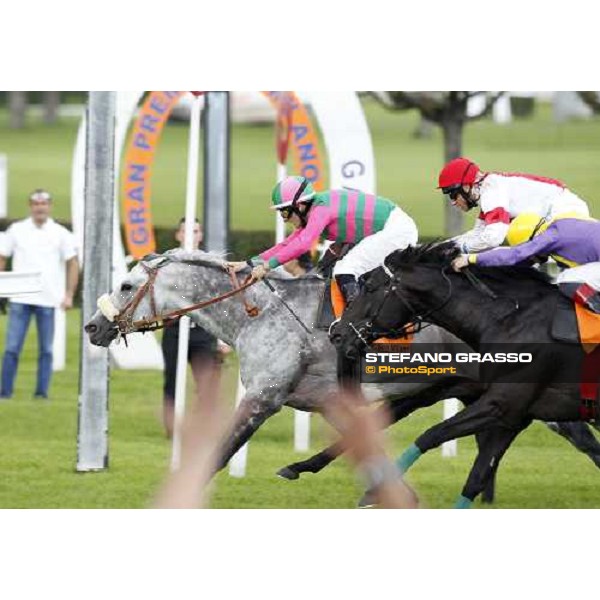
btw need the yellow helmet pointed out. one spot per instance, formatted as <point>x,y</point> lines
<point>524,227</point>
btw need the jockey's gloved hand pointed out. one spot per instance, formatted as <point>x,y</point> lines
<point>260,271</point>
<point>462,261</point>
<point>3,305</point>
<point>236,266</point>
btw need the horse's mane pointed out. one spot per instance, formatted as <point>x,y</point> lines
<point>216,260</point>
<point>441,254</point>
<point>196,257</point>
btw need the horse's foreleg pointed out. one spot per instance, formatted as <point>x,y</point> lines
<point>492,446</point>
<point>314,464</point>
<point>472,419</point>
<point>393,411</point>
<point>579,434</point>
<point>488,493</point>
<point>252,412</point>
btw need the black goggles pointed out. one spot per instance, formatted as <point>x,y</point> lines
<point>453,192</point>
<point>286,212</point>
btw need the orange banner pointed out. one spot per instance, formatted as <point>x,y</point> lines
<point>137,171</point>
<point>306,154</point>
<point>142,146</point>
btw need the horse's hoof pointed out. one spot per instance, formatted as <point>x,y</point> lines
<point>367,500</point>
<point>287,473</point>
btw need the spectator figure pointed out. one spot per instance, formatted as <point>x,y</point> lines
<point>205,352</point>
<point>37,243</point>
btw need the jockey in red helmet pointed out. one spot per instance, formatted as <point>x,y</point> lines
<point>500,198</point>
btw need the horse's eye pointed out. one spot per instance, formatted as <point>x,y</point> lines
<point>126,287</point>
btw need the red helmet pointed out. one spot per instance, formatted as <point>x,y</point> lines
<point>458,172</point>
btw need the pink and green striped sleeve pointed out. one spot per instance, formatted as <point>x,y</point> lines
<point>300,241</point>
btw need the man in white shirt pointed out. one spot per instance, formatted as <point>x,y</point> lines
<point>500,198</point>
<point>37,243</point>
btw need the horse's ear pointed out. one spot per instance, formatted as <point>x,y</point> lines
<point>448,251</point>
<point>394,260</point>
<point>157,260</point>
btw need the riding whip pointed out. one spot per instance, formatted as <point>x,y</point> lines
<point>274,290</point>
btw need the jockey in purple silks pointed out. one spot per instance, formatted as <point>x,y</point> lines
<point>573,241</point>
<point>375,224</point>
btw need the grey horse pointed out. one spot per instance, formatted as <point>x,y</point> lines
<point>284,361</point>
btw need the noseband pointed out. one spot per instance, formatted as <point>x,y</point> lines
<point>124,319</point>
<point>417,322</point>
<point>366,333</point>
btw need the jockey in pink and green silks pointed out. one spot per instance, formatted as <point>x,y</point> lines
<point>375,224</point>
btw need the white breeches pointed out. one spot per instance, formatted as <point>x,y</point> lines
<point>569,203</point>
<point>399,232</point>
<point>588,273</point>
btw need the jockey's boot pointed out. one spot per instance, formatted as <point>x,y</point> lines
<point>348,286</point>
<point>588,297</point>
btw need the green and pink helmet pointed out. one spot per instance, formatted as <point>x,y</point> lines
<point>290,191</point>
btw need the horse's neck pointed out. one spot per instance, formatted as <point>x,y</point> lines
<point>226,319</point>
<point>223,319</point>
<point>465,318</point>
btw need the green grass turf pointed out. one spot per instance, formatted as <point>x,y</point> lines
<point>38,453</point>
<point>41,155</point>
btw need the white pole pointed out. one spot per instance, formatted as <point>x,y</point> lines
<point>237,464</point>
<point>501,110</point>
<point>92,430</point>
<point>3,185</point>
<point>59,345</point>
<point>451,406</point>
<point>188,244</point>
<point>301,418</point>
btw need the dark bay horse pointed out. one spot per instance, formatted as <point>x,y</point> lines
<point>509,306</point>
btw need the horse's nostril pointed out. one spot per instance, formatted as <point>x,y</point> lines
<point>351,354</point>
<point>90,328</point>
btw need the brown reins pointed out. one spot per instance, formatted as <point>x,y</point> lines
<point>126,324</point>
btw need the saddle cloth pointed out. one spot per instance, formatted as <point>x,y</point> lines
<point>332,307</point>
<point>574,324</point>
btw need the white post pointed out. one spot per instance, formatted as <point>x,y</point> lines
<point>501,110</point>
<point>184,323</point>
<point>59,345</point>
<point>237,464</point>
<point>92,434</point>
<point>451,406</point>
<point>301,419</point>
<point>3,185</point>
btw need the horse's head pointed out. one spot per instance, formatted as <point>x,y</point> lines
<point>368,316</point>
<point>132,300</point>
<point>390,298</point>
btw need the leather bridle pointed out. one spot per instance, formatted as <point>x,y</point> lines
<point>124,320</point>
<point>417,322</point>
